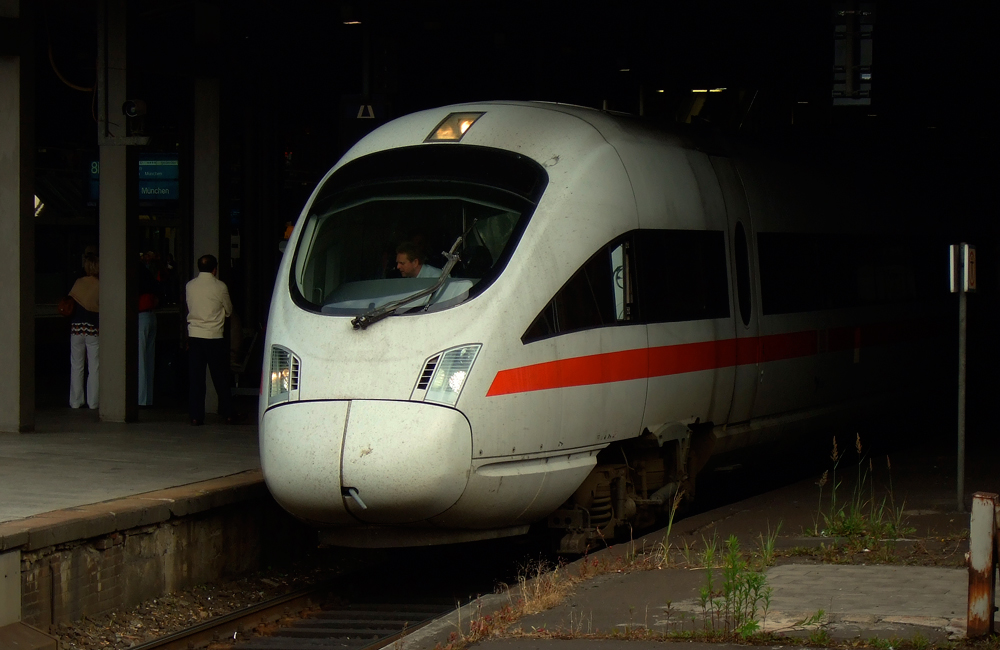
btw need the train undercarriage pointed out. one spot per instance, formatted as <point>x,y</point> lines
<point>635,484</point>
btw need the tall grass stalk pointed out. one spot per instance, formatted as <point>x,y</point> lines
<point>864,519</point>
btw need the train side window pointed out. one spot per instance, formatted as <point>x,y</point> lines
<point>597,295</point>
<point>621,271</point>
<point>743,273</point>
<point>802,272</point>
<point>682,275</point>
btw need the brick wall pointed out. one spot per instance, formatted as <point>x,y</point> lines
<point>65,582</point>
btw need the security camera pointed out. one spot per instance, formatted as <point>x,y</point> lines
<point>134,108</point>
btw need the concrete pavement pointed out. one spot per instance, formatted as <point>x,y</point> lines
<point>74,460</point>
<point>844,600</point>
<point>920,594</point>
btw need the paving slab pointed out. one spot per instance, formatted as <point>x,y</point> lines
<point>858,601</point>
<point>74,460</point>
<point>845,601</point>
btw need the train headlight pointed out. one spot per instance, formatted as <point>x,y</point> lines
<point>450,373</point>
<point>453,127</point>
<point>283,384</point>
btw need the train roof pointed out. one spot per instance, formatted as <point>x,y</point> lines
<point>615,126</point>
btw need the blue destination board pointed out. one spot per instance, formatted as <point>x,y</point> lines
<point>158,166</point>
<point>158,190</point>
<point>159,177</point>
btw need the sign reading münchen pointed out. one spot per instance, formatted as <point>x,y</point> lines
<point>158,177</point>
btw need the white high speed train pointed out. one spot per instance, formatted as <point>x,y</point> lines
<point>610,305</point>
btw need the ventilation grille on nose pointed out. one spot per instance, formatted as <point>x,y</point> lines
<point>293,374</point>
<point>425,376</point>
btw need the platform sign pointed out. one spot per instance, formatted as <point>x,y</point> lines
<point>962,266</point>
<point>94,181</point>
<point>970,268</point>
<point>159,176</point>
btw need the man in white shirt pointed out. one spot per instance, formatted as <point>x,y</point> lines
<point>208,306</point>
<point>410,262</point>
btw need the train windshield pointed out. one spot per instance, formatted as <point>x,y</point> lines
<point>381,227</point>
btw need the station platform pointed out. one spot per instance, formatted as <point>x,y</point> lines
<point>629,594</point>
<point>99,516</point>
<point>102,515</point>
<point>72,459</point>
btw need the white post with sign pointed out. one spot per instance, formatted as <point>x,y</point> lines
<point>962,280</point>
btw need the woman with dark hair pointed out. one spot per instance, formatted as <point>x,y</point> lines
<point>83,341</point>
<point>149,299</point>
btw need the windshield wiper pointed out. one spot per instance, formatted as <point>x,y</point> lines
<point>375,315</point>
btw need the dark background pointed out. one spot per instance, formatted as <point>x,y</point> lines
<point>294,76</point>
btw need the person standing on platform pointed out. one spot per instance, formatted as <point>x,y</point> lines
<point>208,306</point>
<point>149,299</point>
<point>83,341</point>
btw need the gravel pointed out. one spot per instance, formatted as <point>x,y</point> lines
<point>158,617</point>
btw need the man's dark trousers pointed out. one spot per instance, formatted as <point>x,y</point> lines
<point>215,354</point>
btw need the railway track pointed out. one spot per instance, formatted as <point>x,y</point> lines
<point>307,620</point>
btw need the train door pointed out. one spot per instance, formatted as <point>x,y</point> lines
<point>741,256</point>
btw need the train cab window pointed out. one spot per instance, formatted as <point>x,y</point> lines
<point>682,275</point>
<point>597,295</point>
<point>421,199</point>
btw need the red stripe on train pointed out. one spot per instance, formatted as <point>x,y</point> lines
<point>687,357</point>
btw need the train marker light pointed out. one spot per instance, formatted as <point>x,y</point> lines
<point>284,384</point>
<point>450,374</point>
<point>453,127</point>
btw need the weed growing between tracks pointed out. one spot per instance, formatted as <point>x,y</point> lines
<point>864,523</point>
<point>735,603</point>
<point>732,608</point>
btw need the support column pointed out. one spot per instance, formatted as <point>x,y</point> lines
<point>118,193</point>
<point>119,332</point>
<point>205,233</point>
<point>17,211</point>
<point>205,212</point>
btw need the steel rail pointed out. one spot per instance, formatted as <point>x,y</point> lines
<point>234,623</point>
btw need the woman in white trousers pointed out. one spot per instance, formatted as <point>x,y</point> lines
<point>83,340</point>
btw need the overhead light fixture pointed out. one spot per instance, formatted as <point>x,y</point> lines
<point>453,127</point>
<point>352,22</point>
<point>707,90</point>
<point>661,91</point>
<point>625,70</point>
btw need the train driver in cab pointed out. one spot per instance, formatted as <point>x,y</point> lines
<point>410,262</point>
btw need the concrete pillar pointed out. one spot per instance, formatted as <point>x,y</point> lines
<point>17,212</point>
<point>205,233</point>
<point>205,230</point>
<point>118,194</point>
<point>119,318</point>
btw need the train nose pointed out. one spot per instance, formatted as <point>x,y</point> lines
<point>408,461</point>
<point>405,461</point>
